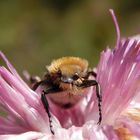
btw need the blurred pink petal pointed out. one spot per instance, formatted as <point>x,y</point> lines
<point>23,136</point>
<point>23,107</point>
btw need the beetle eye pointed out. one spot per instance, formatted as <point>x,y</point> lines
<point>75,77</point>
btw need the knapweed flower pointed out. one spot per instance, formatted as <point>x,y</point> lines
<point>23,116</point>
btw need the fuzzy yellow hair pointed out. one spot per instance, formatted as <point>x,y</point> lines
<point>68,65</point>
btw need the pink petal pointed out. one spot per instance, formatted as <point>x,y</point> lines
<point>133,126</point>
<point>23,106</point>
<point>12,69</point>
<point>26,136</point>
<point>116,27</point>
<point>110,133</point>
<point>119,76</point>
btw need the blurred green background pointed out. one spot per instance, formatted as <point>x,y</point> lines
<point>34,32</point>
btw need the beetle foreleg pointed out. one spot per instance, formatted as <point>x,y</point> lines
<point>50,90</point>
<point>37,84</point>
<point>88,83</point>
<point>46,106</point>
<point>89,73</point>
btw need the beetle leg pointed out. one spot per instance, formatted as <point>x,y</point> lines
<point>94,74</point>
<point>50,90</point>
<point>91,72</point>
<point>37,84</point>
<point>46,106</point>
<point>99,96</point>
<point>88,83</point>
<point>31,79</point>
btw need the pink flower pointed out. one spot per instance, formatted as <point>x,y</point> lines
<point>23,115</point>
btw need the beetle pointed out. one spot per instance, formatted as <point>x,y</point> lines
<point>64,80</point>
